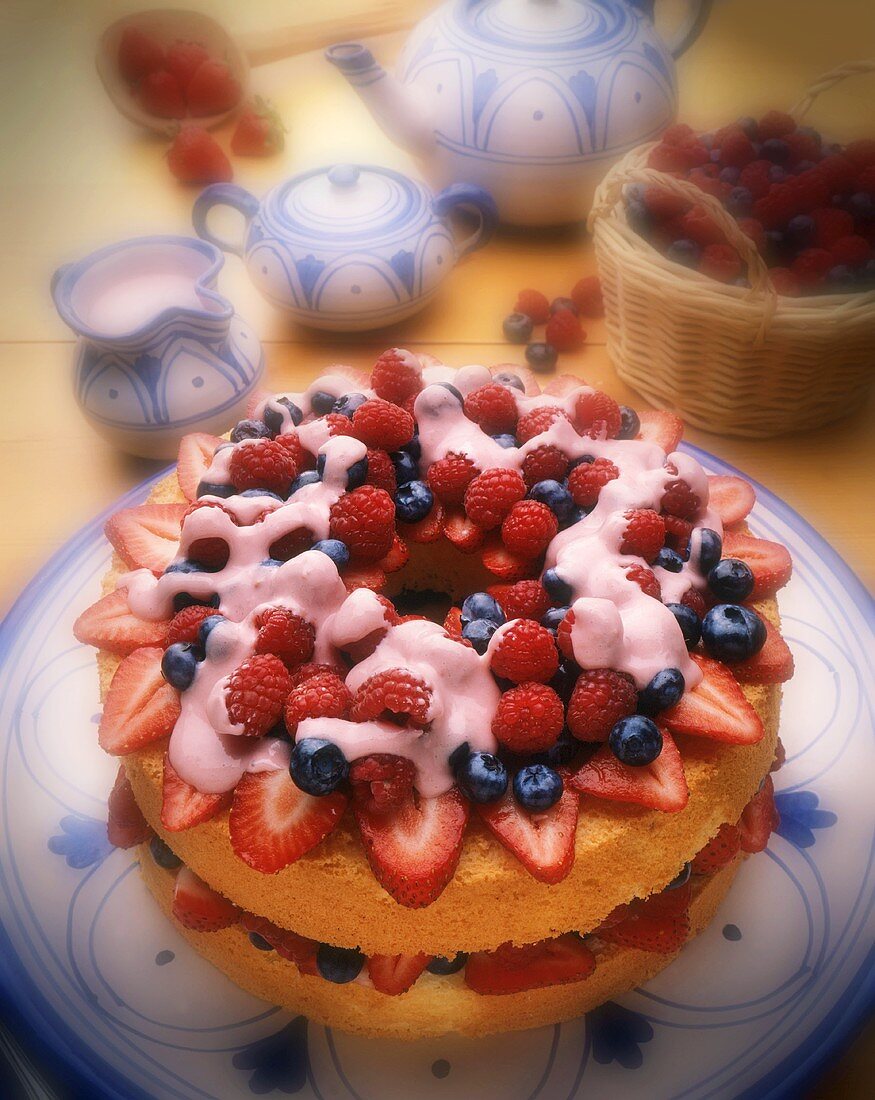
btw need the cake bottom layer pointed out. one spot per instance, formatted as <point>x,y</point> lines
<point>436,1004</point>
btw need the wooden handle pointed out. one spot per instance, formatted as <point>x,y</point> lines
<point>829,80</point>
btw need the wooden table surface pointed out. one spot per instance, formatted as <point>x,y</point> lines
<point>75,175</point>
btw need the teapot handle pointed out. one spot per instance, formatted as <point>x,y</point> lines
<point>469,196</point>
<point>222,194</point>
<point>691,28</point>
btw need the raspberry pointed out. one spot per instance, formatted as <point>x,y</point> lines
<point>534,305</point>
<point>396,690</point>
<point>256,692</point>
<point>587,296</point>
<point>830,225</point>
<point>861,153</point>
<point>852,250</point>
<point>544,463</point>
<point>563,635</point>
<point>523,600</point>
<point>262,464</point>
<point>449,477</point>
<point>811,190</point>
<point>314,668</point>
<point>663,205</point>
<point>699,226</point>
<point>492,407</point>
<point>775,124</point>
<point>778,206</point>
<point>601,697</point>
<point>365,520</point>
<point>802,147</point>
<point>711,185</point>
<point>525,651</point>
<point>753,229</point>
<point>587,480</point>
<point>302,457</point>
<point>323,695</point>
<point>837,171</point>
<point>529,528</point>
<point>397,557</point>
<point>396,376</point>
<point>865,180</point>
<point>677,532</point>
<point>380,782</point>
<point>564,331</point>
<point>286,635</point>
<point>736,150</point>
<point>379,423</point>
<point>756,177</point>
<point>597,415</point>
<point>785,282</point>
<point>538,420</point>
<point>811,265</point>
<point>679,133</point>
<point>381,471</point>
<point>678,499</point>
<point>695,601</point>
<point>338,424</point>
<point>720,262</point>
<point>185,624</point>
<point>646,580</point>
<point>644,533</point>
<point>677,158</point>
<point>528,718</point>
<point>491,495</point>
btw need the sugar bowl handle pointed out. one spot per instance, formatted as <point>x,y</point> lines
<point>223,194</point>
<point>468,196</point>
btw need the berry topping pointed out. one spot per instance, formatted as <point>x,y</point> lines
<point>529,528</point>
<point>395,693</point>
<point>449,477</point>
<point>379,423</point>
<point>482,777</point>
<point>769,562</point>
<point>645,579</point>
<point>380,471</point>
<point>491,495</point>
<point>678,499</point>
<point>544,463</point>
<point>380,782</point>
<point>256,692</point>
<point>492,407</point>
<point>364,521</point>
<point>146,537</point>
<point>601,697</point>
<point>396,376</point>
<point>662,691</point>
<point>644,533</point>
<point>523,600</point>
<point>317,766</point>
<point>413,502</point>
<point>773,664</point>
<point>323,694</point>
<point>716,708</point>
<point>526,651</point>
<point>529,718</point>
<point>730,579</point>
<point>264,464</point>
<point>597,415</point>
<point>661,785</point>
<point>538,420</point>
<point>287,635</point>
<point>587,480</point>
<point>109,624</point>
<point>140,706</point>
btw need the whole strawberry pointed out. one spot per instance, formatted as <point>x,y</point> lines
<point>259,132</point>
<point>196,157</point>
<point>184,59</point>
<point>212,89</point>
<point>138,54</point>
<point>159,94</point>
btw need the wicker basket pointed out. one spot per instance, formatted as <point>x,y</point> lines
<point>732,360</point>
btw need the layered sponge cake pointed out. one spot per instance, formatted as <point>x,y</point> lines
<point>443,703</point>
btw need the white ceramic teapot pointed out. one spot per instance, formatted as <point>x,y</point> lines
<point>532,99</point>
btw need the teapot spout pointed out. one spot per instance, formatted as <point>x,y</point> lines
<point>396,108</point>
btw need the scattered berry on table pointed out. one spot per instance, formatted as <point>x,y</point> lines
<point>587,296</point>
<point>533,304</point>
<point>541,356</point>
<point>517,328</point>
<point>564,331</point>
<point>196,157</point>
<point>259,131</point>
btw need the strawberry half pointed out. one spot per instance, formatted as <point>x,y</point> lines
<point>759,819</point>
<point>563,384</point>
<point>364,576</point>
<point>195,455</point>
<point>125,825</point>
<point>273,822</point>
<point>542,842</point>
<point>183,805</point>
<point>394,974</point>
<point>716,708</point>
<point>660,923</point>
<point>721,849</point>
<point>428,529</point>
<point>770,562</point>
<point>772,665</point>
<point>147,537</point>
<point>200,908</point>
<point>661,785</point>
<point>664,428</point>
<point>288,945</point>
<point>464,534</point>
<point>110,624</point>
<point>731,497</point>
<point>413,850</point>
<point>511,969</point>
<point>141,707</point>
<point>502,563</point>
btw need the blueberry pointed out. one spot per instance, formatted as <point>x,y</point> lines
<point>458,757</point>
<point>517,328</point>
<point>777,247</point>
<point>803,166</point>
<point>638,217</point>
<point>739,202</point>
<point>261,493</point>
<point>555,495</point>
<point>670,560</point>
<point>581,461</point>
<point>710,549</point>
<point>480,605</point>
<point>185,599</point>
<point>259,942</point>
<point>272,563</point>
<point>163,854</point>
<point>565,679</point>
<point>776,150</point>
<point>684,252</point>
<point>454,390</point>
<point>563,303</point>
<point>730,175</point>
<point>563,752</point>
<point>335,549</point>
<point>809,131</point>
<point>308,477</point>
<point>274,419</point>
<point>732,633</point>
<point>321,402</point>
<point>207,626</point>
<point>413,448</point>
<point>179,664</point>
<point>478,632</point>
<point>861,206</point>
<point>509,379</point>
<point>553,618</point>
<point>249,429</point>
<point>541,357</point>
<point>558,590</point>
<point>348,404</point>
<point>635,740</point>
<point>482,777</point>
<point>663,691</point>
<point>505,440</point>
<point>406,467</point>
<point>537,787</point>
<point>867,274</point>
<point>214,489</point>
<point>777,174</point>
<point>185,566</point>
<point>731,580</point>
<point>681,878</point>
<point>339,964</point>
<point>413,501</point>
<point>749,127</point>
<point>688,621</point>
<point>442,966</point>
<point>356,474</point>
<point>576,514</point>
<point>800,231</point>
<point>317,766</point>
<point>841,277</point>
<point>630,425</point>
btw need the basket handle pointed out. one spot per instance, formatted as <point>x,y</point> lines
<point>826,81</point>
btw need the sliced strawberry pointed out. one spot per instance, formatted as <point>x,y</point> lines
<point>413,850</point>
<point>511,969</point>
<point>716,708</point>
<point>661,785</point>
<point>721,849</point>
<point>731,497</point>
<point>183,805</point>
<point>542,842</point>
<point>759,819</point>
<point>502,563</point>
<point>364,576</point>
<point>110,624</point>
<point>770,562</point>
<point>397,557</point>
<point>288,945</point>
<point>660,923</point>
<point>462,532</point>
<point>664,428</point>
<point>394,974</point>
<point>200,908</point>
<point>563,384</point>
<point>147,536</point>
<point>141,707</point>
<point>772,665</point>
<point>428,529</point>
<point>273,822</point>
<point>195,455</point>
<point>125,825</point>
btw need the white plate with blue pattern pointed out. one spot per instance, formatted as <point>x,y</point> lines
<point>755,1007</point>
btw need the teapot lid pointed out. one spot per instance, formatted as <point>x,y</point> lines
<point>533,26</point>
<point>346,202</point>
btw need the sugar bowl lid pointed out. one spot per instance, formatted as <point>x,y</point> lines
<point>347,202</point>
